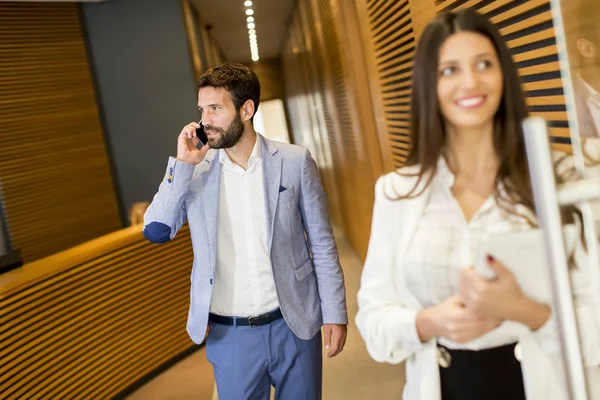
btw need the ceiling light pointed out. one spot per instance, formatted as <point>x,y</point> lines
<point>251,30</point>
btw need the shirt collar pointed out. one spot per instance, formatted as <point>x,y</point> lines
<point>255,156</point>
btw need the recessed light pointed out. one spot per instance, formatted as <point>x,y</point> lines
<point>252,31</point>
<point>250,19</point>
<point>248,3</point>
<point>249,11</point>
<point>251,25</point>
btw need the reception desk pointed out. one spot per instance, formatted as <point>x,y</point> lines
<point>95,320</point>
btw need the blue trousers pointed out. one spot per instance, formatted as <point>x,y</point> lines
<point>247,361</point>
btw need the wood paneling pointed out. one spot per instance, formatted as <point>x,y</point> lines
<point>88,322</point>
<point>54,168</point>
<point>391,41</point>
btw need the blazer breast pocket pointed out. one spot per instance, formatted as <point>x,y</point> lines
<point>285,194</point>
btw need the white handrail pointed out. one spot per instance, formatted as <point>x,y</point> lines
<point>547,209</point>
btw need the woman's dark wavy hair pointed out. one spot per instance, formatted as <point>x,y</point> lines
<point>427,131</point>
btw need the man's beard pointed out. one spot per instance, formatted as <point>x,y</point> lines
<point>229,137</point>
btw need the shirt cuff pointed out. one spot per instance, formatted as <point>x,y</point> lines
<point>548,336</point>
<point>405,324</point>
<point>335,319</point>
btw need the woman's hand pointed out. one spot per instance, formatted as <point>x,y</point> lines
<point>500,297</point>
<point>452,321</point>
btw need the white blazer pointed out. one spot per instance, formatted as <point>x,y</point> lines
<point>387,309</point>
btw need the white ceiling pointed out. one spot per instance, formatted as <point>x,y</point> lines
<point>228,21</point>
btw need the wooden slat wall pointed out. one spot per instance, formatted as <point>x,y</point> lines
<point>391,41</point>
<point>53,164</point>
<point>89,322</point>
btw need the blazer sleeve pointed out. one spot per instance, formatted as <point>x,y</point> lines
<point>315,216</point>
<point>167,213</point>
<point>386,323</point>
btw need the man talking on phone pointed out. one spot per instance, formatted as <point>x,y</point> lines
<point>266,276</point>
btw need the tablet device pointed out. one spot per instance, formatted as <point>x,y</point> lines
<point>524,255</point>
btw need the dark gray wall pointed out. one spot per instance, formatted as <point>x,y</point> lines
<point>140,57</point>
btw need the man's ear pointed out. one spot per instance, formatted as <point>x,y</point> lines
<point>247,110</point>
<point>586,48</point>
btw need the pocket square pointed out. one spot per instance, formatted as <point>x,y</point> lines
<point>282,189</point>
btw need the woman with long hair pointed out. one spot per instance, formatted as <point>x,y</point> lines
<point>463,337</point>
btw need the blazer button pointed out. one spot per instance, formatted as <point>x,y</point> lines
<point>211,281</point>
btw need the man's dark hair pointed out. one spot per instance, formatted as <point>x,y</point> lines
<point>240,81</point>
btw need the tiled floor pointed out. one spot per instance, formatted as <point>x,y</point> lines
<point>350,376</point>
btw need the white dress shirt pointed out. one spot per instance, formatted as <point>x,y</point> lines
<point>244,284</point>
<point>445,242</point>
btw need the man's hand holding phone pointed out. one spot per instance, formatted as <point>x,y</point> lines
<point>187,143</point>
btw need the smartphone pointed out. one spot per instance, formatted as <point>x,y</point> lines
<point>201,135</point>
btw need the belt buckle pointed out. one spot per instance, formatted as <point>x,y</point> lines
<point>251,322</point>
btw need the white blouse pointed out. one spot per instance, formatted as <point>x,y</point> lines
<point>445,242</point>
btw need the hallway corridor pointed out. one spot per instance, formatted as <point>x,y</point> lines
<point>353,375</point>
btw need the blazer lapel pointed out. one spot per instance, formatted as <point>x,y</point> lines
<point>271,181</point>
<point>210,181</point>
